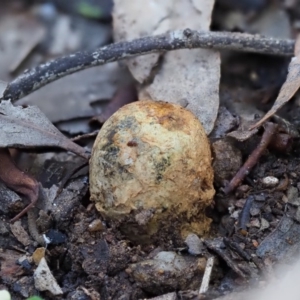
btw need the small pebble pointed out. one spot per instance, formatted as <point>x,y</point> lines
<point>260,198</point>
<point>242,245</point>
<point>170,296</point>
<point>227,161</point>
<point>240,203</point>
<point>254,211</point>
<point>44,280</point>
<point>5,295</point>
<point>293,196</point>
<point>194,244</point>
<point>284,199</point>
<point>96,225</point>
<point>264,224</point>
<point>235,215</point>
<point>267,209</point>
<point>175,271</point>
<point>293,174</point>
<point>242,189</point>
<point>255,223</point>
<point>270,181</point>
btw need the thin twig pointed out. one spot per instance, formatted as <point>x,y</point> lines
<point>85,136</point>
<point>38,77</point>
<point>270,129</point>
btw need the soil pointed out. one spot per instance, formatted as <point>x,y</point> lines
<point>91,258</point>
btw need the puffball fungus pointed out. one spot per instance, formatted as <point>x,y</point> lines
<point>151,168</point>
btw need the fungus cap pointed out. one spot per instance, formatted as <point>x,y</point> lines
<point>151,162</point>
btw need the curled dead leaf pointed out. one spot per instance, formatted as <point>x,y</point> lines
<point>18,181</point>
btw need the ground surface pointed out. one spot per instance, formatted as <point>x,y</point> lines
<point>253,227</point>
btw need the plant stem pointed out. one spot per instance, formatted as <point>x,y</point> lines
<point>37,77</point>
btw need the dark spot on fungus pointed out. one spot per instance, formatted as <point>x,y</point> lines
<point>161,167</point>
<point>127,123</point>
<point>132,143</point>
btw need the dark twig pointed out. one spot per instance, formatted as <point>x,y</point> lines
<point>270,129</point>
<point>236,248</point>
<point>38,77</point>
<point>245,213</point>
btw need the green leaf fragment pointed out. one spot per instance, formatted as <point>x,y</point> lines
<point>88,10</point>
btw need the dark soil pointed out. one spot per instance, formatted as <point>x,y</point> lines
<point>91,258</point>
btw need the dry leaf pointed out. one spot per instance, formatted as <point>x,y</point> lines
<point>123,96</point>
<point>134,19</point>
<point>243,133</point>
<point>289,88</point>
<point>3,86</point>
<point>18,181</point>
<point>241,102</point>
<point>20,233</point>
<point>79,91</point>
<point>29,127</point>
<point>9,269</point>
<point>19,33</point>
<point>44,280</point>
<point>186,77</point>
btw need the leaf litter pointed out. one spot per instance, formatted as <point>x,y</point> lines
<point>100,259</point>
<point>289,88</point>
<point>85,93</point>
<point>29,127</point>
<point>23,30</point>
<point>185,77</point>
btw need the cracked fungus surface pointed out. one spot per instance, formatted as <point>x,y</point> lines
<point>153,156</point>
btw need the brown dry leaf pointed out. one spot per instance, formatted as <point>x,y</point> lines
<point>20,233</point>
<point>29,127</point>
<point>289,88</point>
<point>186,77</point>
<point>9,268</point>
<point>19,182</point>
